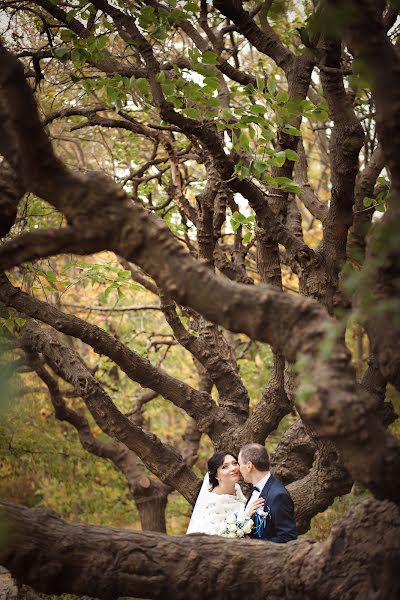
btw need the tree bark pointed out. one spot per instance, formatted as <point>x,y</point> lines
<point>358,560</point>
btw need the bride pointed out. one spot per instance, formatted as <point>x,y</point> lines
<point>219,496</point>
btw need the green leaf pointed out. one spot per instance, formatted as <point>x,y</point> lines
<point>77,57</point>
<point>291,155</point>
<point>259,166</point>
<point>294,106</point>
<point>193,113</point>
<point>10,324</point>
<point>125,274</point>
<point>142,85</point>
<point>147,16</point>
<point>176,16</point>
<point>318,114</point>
<point>287,184</point>
<point>282,96</point>
<point>271,86</point>
<point>290,130</point>
<point>191,7</point>
<point>260,83</point>
<point>209,58</point>
<point>51,276</point>
<point>213,102</point>
<point>252,132</point>
<point>235,225</point>
<point>247,237</point>
<point>242,171</point>
<point>258,109</point>
<point>70,14</point>
<point>267,134</point>
<point>66,35</point>
<point>244,141</point>
<point>279,158</point>
<point>237,216</point>
<point>102,42</point>
<point>61,53</point>
<point>211,82</point>
<point>368,201</point>
<point>106,293</point>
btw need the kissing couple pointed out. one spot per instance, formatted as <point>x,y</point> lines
<point>269,505</point>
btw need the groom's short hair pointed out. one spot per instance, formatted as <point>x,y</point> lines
<point>256,454</point>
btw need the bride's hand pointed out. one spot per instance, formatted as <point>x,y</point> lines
<point>253,506</point>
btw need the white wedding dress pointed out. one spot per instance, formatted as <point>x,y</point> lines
<point>211,509</point>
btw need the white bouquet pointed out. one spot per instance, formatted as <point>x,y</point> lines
<point>236,525</point>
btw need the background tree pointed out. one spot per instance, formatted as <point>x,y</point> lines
<point>221,116</point>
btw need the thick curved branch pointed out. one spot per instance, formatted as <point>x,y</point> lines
<point>345,144</point>
<point>197,404</point>
<point>294,455</point>
<point>307,194</point>
<point>315,492</point>
<point>366,35</point>
<point>142,488</point>
<point>365,183</point>
<point>232,393</point>
<point>162,460</point>
<point>30,246</point>
<point>56,557</point>
<point>274,405</point>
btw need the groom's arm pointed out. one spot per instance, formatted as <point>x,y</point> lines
<point>282,512</point>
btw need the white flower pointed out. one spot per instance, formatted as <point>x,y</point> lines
<point>232,527</point>
<point>240,533</point>
<point>247,526</point>
<point>231,535</point>
<point>230,519</point>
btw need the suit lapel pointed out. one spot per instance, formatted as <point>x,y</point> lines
<point>264,492</point>
<point>267,487</point>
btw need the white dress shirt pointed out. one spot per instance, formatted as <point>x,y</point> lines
<point>260,485</point>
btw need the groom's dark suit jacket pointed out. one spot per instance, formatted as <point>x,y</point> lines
<point>281,527</point>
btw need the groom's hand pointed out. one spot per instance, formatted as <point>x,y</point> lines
<point>253,505</point>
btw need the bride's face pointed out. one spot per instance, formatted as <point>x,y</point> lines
<point>228,472</point>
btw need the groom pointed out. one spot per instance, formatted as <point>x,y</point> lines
<point>280,525</point>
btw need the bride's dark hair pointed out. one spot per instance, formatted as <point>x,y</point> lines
<point>214,463</point>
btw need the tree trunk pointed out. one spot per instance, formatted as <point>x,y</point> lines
<point>152,511</point>
<point>359,559</point>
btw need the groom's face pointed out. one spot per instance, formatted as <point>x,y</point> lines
<point>245,469</point>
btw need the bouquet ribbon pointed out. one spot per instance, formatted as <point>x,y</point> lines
<point>260,523</point>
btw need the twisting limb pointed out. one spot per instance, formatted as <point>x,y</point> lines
<point>108,563</point>
<point>233,395</point>
<point>150,495</point>
<point>137,368</point>
<point>162,460</point>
